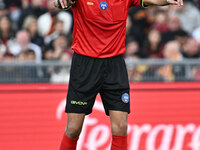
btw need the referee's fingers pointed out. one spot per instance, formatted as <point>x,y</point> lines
<point>172,2</point>
<point>180,2</point>
<point>62,3</point>
<point>71,2</point>
<point>66,2</point>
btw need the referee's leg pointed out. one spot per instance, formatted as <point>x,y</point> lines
<point>74,124</point>
<point>72,132</point>
<point>119,127</point>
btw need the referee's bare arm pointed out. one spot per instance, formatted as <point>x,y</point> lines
<point>163,2</point>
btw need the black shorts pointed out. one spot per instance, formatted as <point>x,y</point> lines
<point>90,76</point>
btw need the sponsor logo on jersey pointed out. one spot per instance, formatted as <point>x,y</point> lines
<point>125,98</point>
<point>103,5</point>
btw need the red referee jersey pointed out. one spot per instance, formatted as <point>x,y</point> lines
<point>100,27</point>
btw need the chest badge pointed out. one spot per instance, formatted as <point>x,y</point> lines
<point>103,5</point>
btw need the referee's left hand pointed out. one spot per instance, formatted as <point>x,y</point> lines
<point>66,3</point>
<point>175,2</point>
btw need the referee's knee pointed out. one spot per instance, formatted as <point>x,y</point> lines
<point>73,131</point>
<point>119,128</point>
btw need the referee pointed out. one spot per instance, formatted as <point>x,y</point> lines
<point>98,65</point>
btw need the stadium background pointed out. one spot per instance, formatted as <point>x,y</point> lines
<point>163,51</point>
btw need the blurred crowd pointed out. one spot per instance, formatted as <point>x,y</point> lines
<point>33,30</point>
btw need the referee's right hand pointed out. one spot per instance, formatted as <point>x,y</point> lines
<point>63,3</point>
<point>175,2</point>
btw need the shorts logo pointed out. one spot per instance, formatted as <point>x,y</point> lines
<point>78,103</point>
<point>103,5</point>
<point>125,98</point>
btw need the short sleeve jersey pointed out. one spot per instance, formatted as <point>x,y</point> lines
<point>100,27</point>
